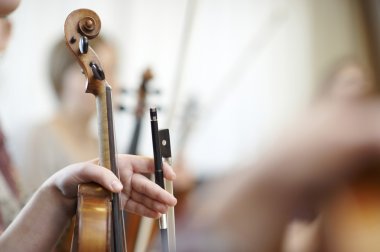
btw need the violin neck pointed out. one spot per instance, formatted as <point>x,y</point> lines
<point>135,137</point>
<point>108,160</point>
<point>103,128</point>
<point>139,114</point>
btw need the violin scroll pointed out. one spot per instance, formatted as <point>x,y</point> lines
<point>81,26</point>
<point>89,26</point>
<point>84,22</point>
<point>148,75</point>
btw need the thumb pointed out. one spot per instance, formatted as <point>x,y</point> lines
<point>69,178</point>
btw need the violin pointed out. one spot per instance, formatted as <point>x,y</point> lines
<point>351,220</point>
<point>140,110</point>
<point>133,220</point>
<point>99,224</point>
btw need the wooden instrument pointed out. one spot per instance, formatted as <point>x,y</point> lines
<point>99,218</point>
<point>140,111</point>
<point>351,221</point>
<point>133,221</point>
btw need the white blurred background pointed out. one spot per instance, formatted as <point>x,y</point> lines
<point>250,64</point>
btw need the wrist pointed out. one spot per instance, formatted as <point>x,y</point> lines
<point>277,184</point>
<point>51,193</point>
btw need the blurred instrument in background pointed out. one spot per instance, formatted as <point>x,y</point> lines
<point>133,220</point>
<point>140,111</point>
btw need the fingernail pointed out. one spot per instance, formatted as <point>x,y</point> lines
<point>174,200</point>
<point>116,186</point>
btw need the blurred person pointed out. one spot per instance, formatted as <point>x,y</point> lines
<point>67,137</point>
<point>277,206</point>
<point>349,81</point>
<point>10,202</point>
<point>251,209</point>
<point>10,198</point>
<point>351,219</point>
<point>41,222</point>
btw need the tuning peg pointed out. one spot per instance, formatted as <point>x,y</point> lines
<point>83,45</point>
<point>154,91</point>
<point>123,108</point>
<point>159,108</point>
<point>97,71</point>
<point>133,91</point>
<point>124,90</point>
<point>73,40</point>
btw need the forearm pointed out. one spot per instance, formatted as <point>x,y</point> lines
<point>256,213</point>
<point>245,211</point>
<point>40,223</point>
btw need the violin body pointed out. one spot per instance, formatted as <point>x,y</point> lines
<point>351,221</point>
<point>93,221</point>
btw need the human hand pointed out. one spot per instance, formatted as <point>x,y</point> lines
<point>324,150</point>
<point>309,161</point>
<point>139,194</point>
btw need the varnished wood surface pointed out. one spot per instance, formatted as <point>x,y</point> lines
<point>95,224</point>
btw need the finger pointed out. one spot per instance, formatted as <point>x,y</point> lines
<point>87,172</point>
<point>148,202</point>
<point>139,164</point>
<point>168,171</point>
<point>137,208</point>
<point>142,164</point>
<point>144,186</point>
